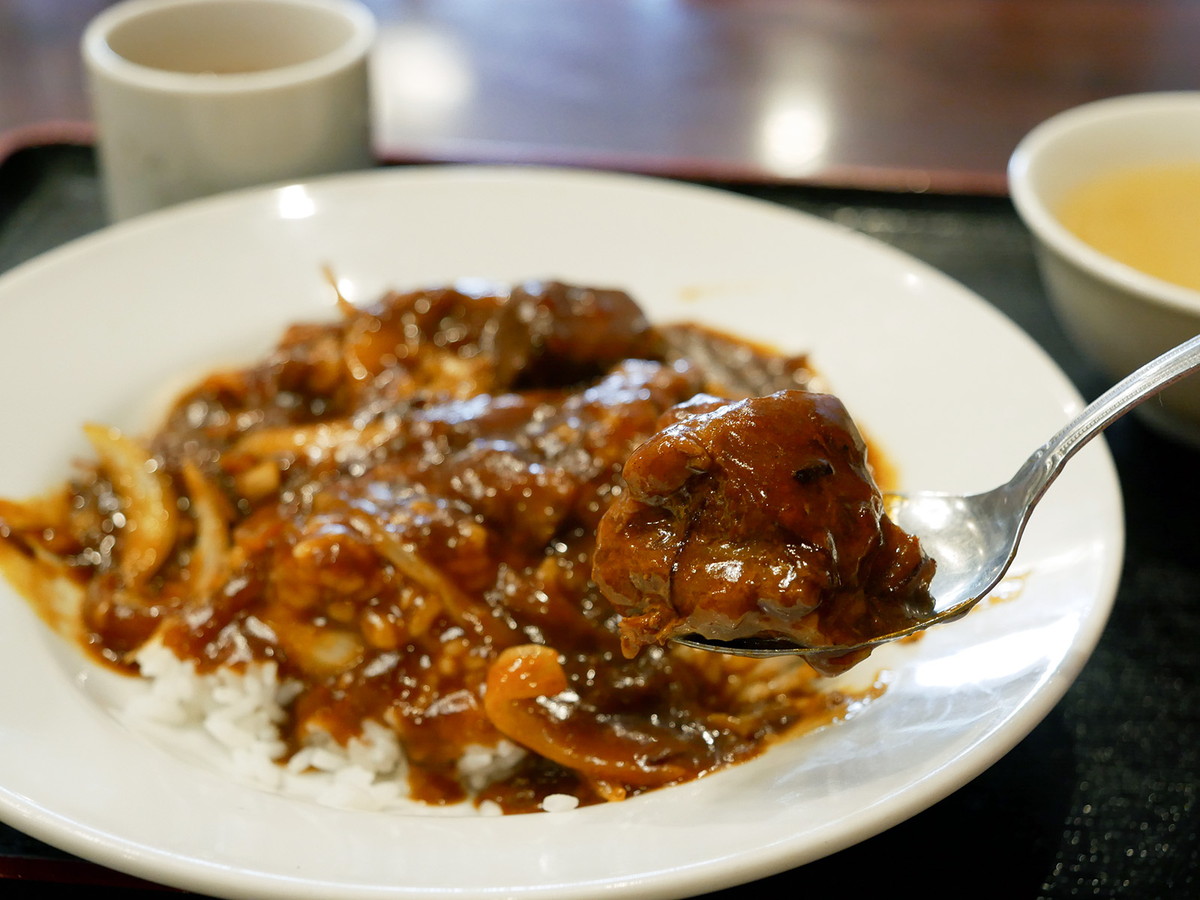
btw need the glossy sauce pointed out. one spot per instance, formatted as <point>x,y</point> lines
<point>758,518</point>
<point>399,510</point>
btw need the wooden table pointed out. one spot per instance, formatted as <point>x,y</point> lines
<point>886,94</point>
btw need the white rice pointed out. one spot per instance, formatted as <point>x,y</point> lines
<point>239,715</point>
<point>560,802</point>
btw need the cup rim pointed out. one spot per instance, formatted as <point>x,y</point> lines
<point>1032,208</point>
<point>101,58</point>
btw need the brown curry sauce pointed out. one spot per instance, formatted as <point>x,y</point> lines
<point>758,518</point>
<point>399,509</point>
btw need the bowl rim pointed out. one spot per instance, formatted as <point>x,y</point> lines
<point>102,61</point>
<point>1046,227</point>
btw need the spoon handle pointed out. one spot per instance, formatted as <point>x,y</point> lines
<point>1043,467</point>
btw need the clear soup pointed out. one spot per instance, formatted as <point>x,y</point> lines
<point>1147,218</point>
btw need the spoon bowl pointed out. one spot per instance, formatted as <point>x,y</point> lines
<point>974,538</point>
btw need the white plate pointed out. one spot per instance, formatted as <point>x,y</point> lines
<point>954,392</point>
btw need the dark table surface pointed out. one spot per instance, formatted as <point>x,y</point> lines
<point>1100,800</point>
<point>884,94</point>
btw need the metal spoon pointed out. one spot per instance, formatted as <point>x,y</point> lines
<point>973,539</point>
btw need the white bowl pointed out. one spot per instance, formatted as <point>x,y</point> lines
<point>1117,315</point>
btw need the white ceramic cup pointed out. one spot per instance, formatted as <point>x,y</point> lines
<point>194,97</point>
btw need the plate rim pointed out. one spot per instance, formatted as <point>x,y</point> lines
<point>44,825</point>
